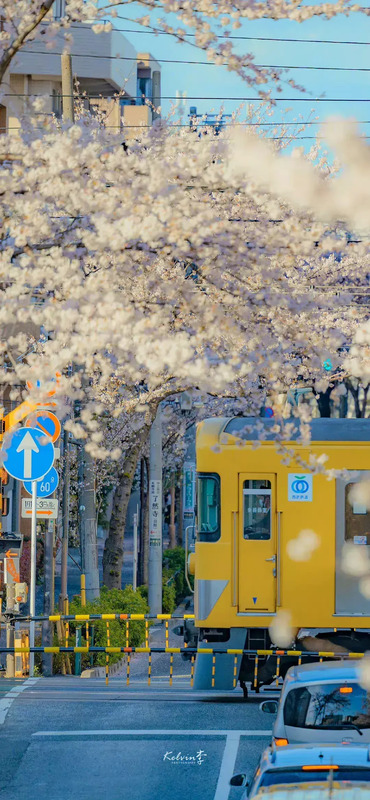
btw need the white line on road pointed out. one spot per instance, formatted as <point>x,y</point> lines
<point>227,765</point>
<point>10,696</point>
<point>157,732</point>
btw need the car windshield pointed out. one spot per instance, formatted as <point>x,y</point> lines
<point>328,705</point>
<point>343,774</point>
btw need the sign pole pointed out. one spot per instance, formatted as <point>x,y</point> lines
<point>33,574</point>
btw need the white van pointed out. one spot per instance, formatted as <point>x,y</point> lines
<point>322,704</point>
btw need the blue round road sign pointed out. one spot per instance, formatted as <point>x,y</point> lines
<point>46,485</point>
<point>28,455</point>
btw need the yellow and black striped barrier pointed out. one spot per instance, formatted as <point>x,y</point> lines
<point>107,617</point>
<point>191,653</point>
<point>188,650</point>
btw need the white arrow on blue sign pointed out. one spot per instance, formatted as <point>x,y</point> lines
<point>29,454</point>
<point>46,485</point>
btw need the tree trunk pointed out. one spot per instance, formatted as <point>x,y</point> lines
<point>113,550</point>
<point>355,391</point>
<point>141,521</point>
<point>364,400</point>
<point>323,402</point>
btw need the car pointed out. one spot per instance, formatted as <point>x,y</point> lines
<point>296,765</point>
<point>321,703</point>
<point>316,791</point>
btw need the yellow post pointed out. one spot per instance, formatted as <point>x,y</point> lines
<point>83,589</point>
<point>192,672</point>
<point>107,657</point>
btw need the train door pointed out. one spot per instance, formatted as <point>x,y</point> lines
<point>257,542</point>
<point>352,527</point>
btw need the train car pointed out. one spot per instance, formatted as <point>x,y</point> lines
<point>251,502</point>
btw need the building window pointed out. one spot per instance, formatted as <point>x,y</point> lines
<point>208,505</point>
<point>257,509</point>
<point>144,89</point>
<point>2,119</point>
<point>57,103</point>
<point>59,9</point>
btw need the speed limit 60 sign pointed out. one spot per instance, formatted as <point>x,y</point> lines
<point>46,485</point>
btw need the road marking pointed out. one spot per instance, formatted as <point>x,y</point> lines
<point>227,765</point>
<point>10,696</point>
<point>233,735</point>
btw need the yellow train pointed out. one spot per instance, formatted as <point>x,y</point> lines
<point>250,505</point>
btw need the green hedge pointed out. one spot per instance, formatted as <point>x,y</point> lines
<point>111,601</point>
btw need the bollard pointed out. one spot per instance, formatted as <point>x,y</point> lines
<point>92,636</point>
<point>107,657</point>
<point>83,590</point>
<point>78,655</point>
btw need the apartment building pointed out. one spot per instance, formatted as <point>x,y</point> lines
<point>113,78</point>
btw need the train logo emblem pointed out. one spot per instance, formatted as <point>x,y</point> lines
<point>300,487</point>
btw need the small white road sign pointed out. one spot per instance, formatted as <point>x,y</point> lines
<point>47,508</point>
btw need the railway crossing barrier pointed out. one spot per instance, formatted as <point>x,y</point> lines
<point>258,656</point>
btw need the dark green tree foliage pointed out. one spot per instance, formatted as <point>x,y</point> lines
<point>111,601</point>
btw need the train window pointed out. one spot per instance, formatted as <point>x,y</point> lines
<point>208,502</point>
<point>357,520</point>
<point>257,509</point>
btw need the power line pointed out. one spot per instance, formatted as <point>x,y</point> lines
<point>156,32</point>
<point>221,99</point>
<point>204,63</point>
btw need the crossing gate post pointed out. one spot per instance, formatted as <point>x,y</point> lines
<point>78,655</point>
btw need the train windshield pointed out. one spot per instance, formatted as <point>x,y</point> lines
<point>208,502</point>
<point>329,705</point>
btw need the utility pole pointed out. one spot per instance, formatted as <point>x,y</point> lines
<point>88,523</point>
<point>134,567</point>
<point>67,87</point>
<point>47,627</point>
<point>155,516</point>
<point>33,574</point>
<point>65,525</point>
<point>172,526</point>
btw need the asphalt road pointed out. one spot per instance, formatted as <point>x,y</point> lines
<point>66,738</point>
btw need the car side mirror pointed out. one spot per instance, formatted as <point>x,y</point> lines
<point>178,630</point>
<point>239,780</point>
<point>269,706</point>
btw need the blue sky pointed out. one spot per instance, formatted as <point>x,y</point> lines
<point>212,81</point>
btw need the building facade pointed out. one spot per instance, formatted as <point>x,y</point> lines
<point>110,76</point>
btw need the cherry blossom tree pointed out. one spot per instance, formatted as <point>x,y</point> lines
<point>179,262</point>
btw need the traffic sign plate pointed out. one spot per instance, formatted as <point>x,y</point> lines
<point>46,485</point>
<point>10,544</point>
<point>27,454</point>
<point>47,422</point>
<point>45,508</point>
